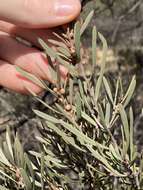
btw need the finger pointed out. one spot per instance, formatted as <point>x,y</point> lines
<point>29,59</point>
<point>37,14</point>
<point>12,80</point>
<point>31,35</point>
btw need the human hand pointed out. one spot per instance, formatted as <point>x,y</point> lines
<point>29,19</point>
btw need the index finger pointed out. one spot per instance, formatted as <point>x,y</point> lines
<point>37,14</point>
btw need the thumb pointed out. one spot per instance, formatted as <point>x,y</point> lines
<point>39,14</point>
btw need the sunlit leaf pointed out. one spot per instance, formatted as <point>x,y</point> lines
<point>3,159</point>
<point>77,39</point>
<point>131,133</point>
<point>46,116</point>
<point>71,91</point>
<point>26,179</point>
<point>99,81</point>
<point>78,105</point>
<point>8,140</point>
<point>31,77</point>
<point>116,92</point>
<point>129,92</point>
<point>18,152</point>
<point>49,51</point>
<point>108,89</point>
<point>125,126</point>
<point>86,22</point>
<point>104,162</point>
<point>58,43</point>
<point>88,119</point>
<point>108,114</point>
<point>94,44</point>
<point>71,69</point>
<point>66,138</point>
<point>64,51</point>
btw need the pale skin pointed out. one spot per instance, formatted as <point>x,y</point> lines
<point>30,19</point>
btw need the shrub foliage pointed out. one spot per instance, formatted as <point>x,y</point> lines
<point>87,131</point>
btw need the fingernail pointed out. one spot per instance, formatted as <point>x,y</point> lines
<point>67,7</point>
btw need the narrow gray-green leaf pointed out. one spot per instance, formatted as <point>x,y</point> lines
<point>31,77</point>
<point>115,152</point>
<point>8,140</point>
<point>71,69</point>
<point>7,153</point>
<point>116,93</point>
<point>125,125</point>
<point>26,179</point>
<point>71,91</point>
<point>101,114</point>
<point>64,51</point>
<point>96,170</point>
<point>88,119</point>
<point>29,165</point>
<point>18,152</point>
<point>70,128</point>
<point>131,133</point>
<point>99,81</point>
<point>104,162</point>
<point>129,92</point>
<point>57,43</point>
<point>46,116</point>
<point>68,139</point>
<point>7,176</point>
<point>48,106</point>
<point>77,39</point>
<point>108,114</point>
<point>42,169</point>
<point>85,140</point>
<point>94,43</point>
<point>86,22</point>
<point>124,151</point>
<point>81,91</point>
<point>49,51</point>
<point>78,105</point>
<point>54,161</point>
<point>3,159</point>
<point>108,89</point>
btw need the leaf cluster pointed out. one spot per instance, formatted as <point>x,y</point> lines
<point>87,138</point>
